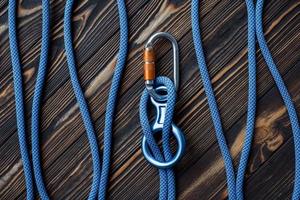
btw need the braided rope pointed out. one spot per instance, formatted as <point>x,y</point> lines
<point>235,184</point>
<point>19,96</point>
<point>284,94</point>
<point>167,176</point>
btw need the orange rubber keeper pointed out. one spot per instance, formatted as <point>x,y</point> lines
<point>149,64</point>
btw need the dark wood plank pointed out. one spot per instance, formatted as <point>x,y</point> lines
<point>66,156</point>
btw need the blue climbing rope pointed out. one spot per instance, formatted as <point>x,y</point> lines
<point>86,117</point>
<point>284,94</point>
<point>235,184</point>
<point>37,97</point>
<point>100,179</point>
<point>19,97</point>
<point>251,100</point>
<point>112,98</point>
<point>167,176</point>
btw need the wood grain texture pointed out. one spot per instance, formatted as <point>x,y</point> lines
<point>67,163</point>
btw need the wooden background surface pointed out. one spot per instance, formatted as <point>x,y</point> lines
<point>66,156</point>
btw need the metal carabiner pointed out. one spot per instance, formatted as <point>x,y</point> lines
<point>159,100</point>
<point>149,64</point>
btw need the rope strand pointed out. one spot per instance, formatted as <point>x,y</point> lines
<point>283,92</point>
<point>235,184</point>
<point>83,106</point>
<point>19,97</point>
<point>112,98</point>
<point>37,100</point>
<point>100,180</point>
<point>167,176</point>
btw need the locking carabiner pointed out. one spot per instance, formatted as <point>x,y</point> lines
<point>149,64</point>
<point>159,99</point>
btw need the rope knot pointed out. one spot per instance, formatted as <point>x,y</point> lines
<point>162,123</point>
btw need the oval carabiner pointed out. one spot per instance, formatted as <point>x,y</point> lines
<point>149,64</point>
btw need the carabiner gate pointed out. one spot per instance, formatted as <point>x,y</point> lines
<point>149,64</point>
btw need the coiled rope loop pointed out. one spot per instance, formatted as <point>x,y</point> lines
<point>111,102</point>
<point>19,96</point>
<point>235,184</point>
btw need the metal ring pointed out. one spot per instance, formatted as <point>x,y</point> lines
<point>164,165</point>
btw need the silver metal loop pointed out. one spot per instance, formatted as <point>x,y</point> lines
<point>150,44</point>
<point>179,153</point>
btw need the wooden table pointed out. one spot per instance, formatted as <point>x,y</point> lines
<point>66,155</point>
